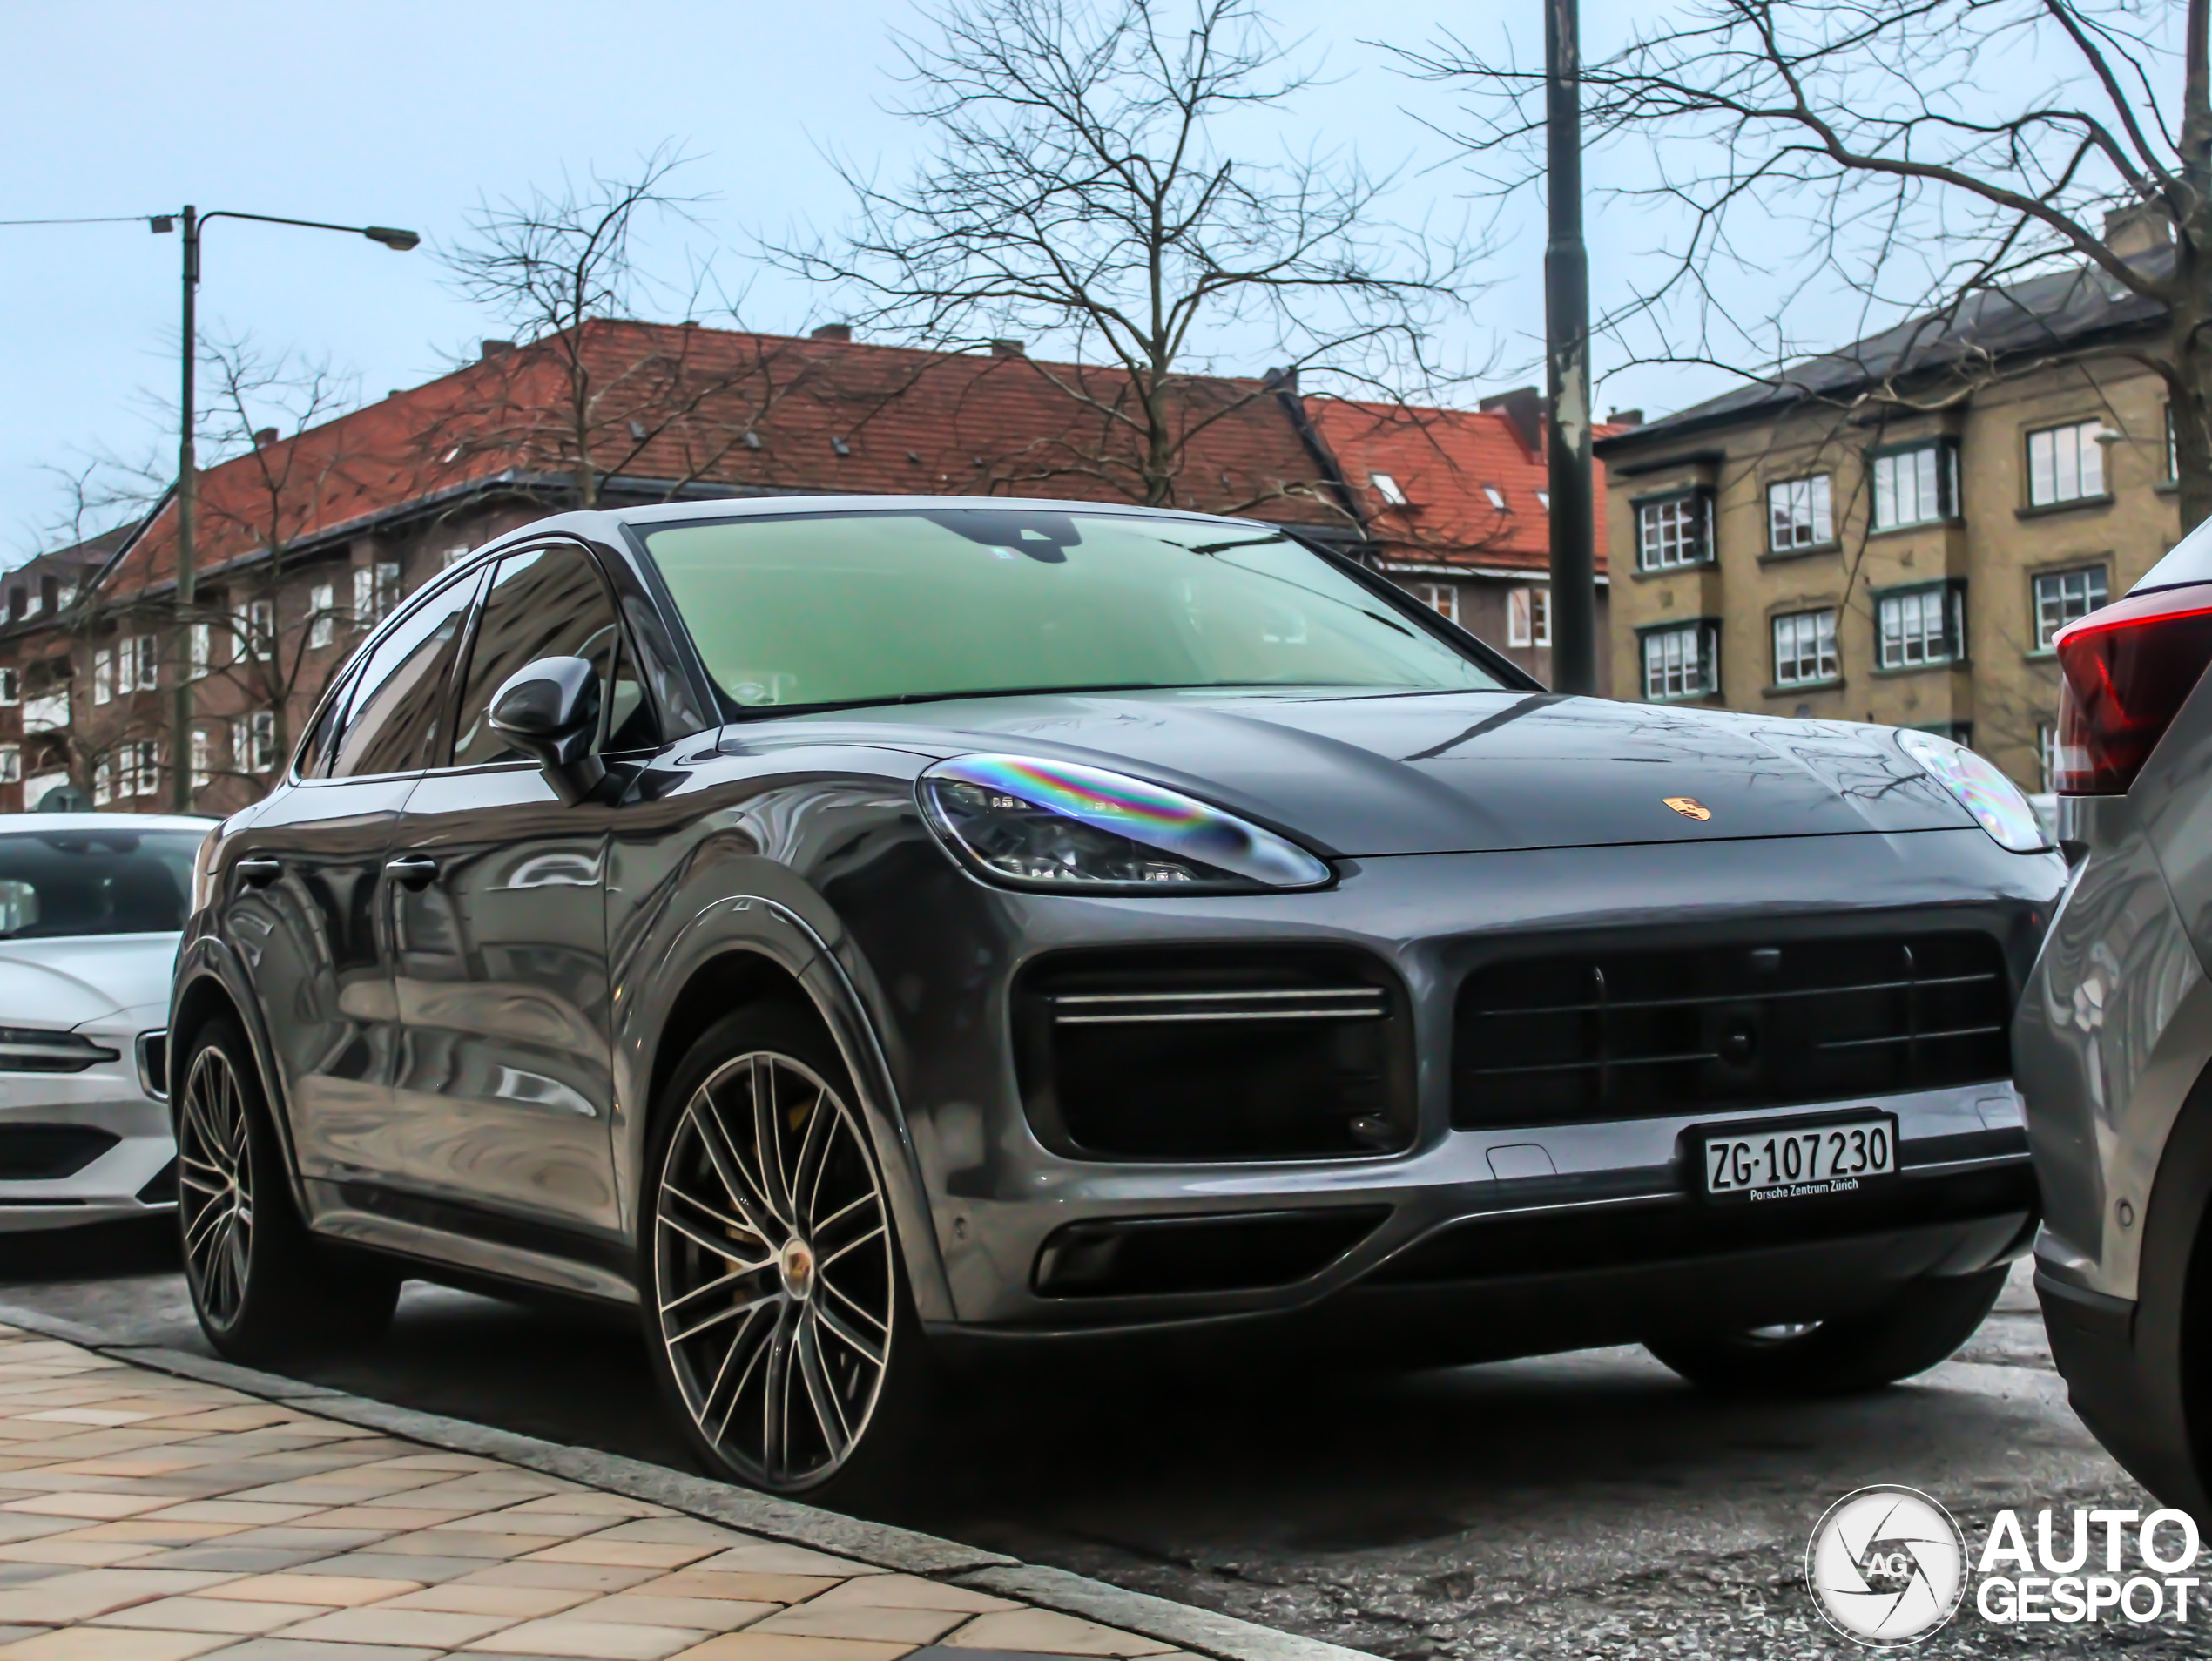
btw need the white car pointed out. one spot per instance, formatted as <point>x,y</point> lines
<point>90,906</point>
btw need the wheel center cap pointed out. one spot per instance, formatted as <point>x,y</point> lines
<point>796,1263</point>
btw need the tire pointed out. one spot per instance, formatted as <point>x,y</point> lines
<point>778,1318</point>
<point>1922,1325</point>
<point>261,1285</point>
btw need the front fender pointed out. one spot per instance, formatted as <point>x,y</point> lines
<point>208,968</point>
<point>775,930</point>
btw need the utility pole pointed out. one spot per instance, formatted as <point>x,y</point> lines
<point>1566,347</point>
<point>180,714</point>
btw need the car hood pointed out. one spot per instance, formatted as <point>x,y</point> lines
<point>1445,772</point>
<point>63,983</point>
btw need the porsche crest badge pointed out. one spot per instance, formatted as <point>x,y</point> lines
<point>1687,807</point>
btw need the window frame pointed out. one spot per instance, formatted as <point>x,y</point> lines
<point>1426,593</point>
<point>1955,624</point>
<point>1696,493</point>
<point>1820,513</point>
<point>1948,511</point>
<point>2099,596</point>
<point>1708,632</point>
<point>1526,603</point>
<point>1827,659</point>
<point>2085,428</point>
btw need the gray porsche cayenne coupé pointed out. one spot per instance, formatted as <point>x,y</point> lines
<point>867,933</point>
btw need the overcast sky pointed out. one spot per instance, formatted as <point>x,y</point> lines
<point>405,113</point>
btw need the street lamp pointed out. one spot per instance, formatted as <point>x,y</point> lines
<point>1567,353</point>
<point>187,464</point>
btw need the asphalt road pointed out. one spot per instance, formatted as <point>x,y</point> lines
<point>1576,1506</point>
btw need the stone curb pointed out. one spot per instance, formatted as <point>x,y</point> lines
<point>882,1545</point>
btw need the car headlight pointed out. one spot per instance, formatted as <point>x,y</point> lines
<point>1994,800</point>
<point>1033,824</point>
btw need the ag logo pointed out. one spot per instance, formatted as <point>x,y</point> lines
<point>1886,1566</point>
<point>1687,807</point>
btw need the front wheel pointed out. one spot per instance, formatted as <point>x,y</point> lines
<point>1923,1324</point>
<point>260,1285</point>
<point>776,1306</point>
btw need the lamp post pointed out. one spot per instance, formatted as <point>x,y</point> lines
<point>181,718</point>
<point>1567,351</point>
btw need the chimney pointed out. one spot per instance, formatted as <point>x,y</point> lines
<point>264,437</point>
<point>1524,407</point>
<point>1624,417</point>
<point>2137,229</point>
<point>833,332</point>
<point>493,348</point>
<point>1009,349</point>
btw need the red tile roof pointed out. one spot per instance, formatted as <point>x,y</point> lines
<point>1445,462</point>
<point>666,406</point>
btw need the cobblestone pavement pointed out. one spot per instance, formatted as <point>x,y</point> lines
<point>147,1517</point>
<point>1555,1509</point>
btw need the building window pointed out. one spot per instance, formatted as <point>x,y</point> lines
<point>1672,531</point>
<point>103,675</point>
<point>1916,486</point>
<point>1497,497</point>
<point>1922,625</point>
<point>201,761</point>
<point>2173,449</point>
<point>377,590</point>
<point>2066,463</point>
<point>8,693</point>
<point>254,742</point>
<point>1441,597</point>
<point>2060,597</point>
<point>2047,756</point>
<point>1799,515</point>
<point>452,556</point>
<point>253,622</point>
<point>11,764</point>
<point>322,604</point>
<point>1805,648</point>
<point>203,650</point>
<point>136,771</point>
<point>1388,488</point>
<point>1683,661</point>
<point>1528,617</point>
<point>137,666</point>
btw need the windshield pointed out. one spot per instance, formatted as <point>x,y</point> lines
<point>862,608</point>
<point>60,882</point>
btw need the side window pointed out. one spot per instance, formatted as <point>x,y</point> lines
<point>399,697</point>
<point>547,603</point>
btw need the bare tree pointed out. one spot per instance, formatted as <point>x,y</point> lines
<point>573,390</point>
<point>1928,155</point>
<point>1081,188</point>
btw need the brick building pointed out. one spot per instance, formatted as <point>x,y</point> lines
<point>304,542</point>
<point>1894,531</point>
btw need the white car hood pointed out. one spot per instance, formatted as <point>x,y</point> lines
<point>65,983</point>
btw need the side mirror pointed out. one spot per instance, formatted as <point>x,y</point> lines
<point>549,711</point>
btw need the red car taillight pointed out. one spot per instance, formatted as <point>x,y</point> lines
<point>2125,672</point>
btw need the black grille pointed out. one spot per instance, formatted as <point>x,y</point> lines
<point>1607,1034</point>
<point>47,1152</point>
<point>1215,1055</point>
<point>1144,1255</point>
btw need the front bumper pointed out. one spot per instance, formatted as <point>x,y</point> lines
<point>134,1175</point>
<point>1965,1199</point>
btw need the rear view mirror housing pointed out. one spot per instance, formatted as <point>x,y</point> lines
<point>549,711</point>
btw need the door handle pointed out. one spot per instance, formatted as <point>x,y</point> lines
<point>258,873</point>
<point>412,870</point>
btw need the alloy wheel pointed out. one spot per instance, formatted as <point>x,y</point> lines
<point>215,1186</point>
<point>775,1279</point>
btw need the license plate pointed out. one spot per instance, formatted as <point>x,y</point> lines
<point>1797,1162</point>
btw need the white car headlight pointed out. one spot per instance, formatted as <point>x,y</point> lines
<point>1994,800</point>
<point>1032,824</point>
